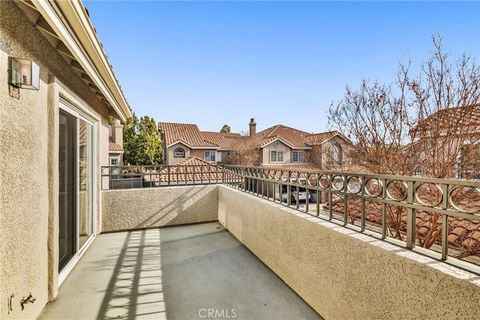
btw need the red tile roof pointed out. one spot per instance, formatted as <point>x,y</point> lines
<point>291,166</point>
<point>468,116</point>
<point>185,133</point>
<point>193,137</point>
<point>226,141</point>
<point>292,137</point>
<point>190,170</point>
<point>114,147</point>
<point>319,138</point>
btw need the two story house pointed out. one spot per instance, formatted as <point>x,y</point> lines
<point>274,147</point>
<point>182,141</point>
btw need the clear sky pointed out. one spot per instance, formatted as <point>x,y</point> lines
<point>212,63</point>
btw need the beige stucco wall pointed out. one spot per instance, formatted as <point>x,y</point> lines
<point>327,161</point>
<point>155,207</point>
<point>343,274</point>
<point>277,146</point>
<point>171,160</point>
<point>29,170</point>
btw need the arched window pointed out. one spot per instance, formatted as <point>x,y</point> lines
<point>179,153</point>
<point>336,153</point>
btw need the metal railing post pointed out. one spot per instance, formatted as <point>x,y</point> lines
<point>411,216</point>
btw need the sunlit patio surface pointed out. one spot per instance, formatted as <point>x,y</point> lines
<point>187,272</point>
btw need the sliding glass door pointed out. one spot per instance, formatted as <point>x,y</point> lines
<point>76,183</point>
<point>67,196</point>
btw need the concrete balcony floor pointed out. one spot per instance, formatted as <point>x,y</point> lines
<point>174,273</point>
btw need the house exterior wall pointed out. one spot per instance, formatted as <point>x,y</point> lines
<point>343,274</point>
<point>29,171</point>
<point>200,153</point>
<point>326,160</point>
<point>171,160</point>
<point>277,146</point>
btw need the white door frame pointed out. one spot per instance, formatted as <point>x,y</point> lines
<point>79,251</point>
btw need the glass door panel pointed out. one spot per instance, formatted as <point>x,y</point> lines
<point>85,182</point>
<point>67,197</point>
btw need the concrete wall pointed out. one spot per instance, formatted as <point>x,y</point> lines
<point>29,158</point>
<point>155,207</point>
<point>343,274</point>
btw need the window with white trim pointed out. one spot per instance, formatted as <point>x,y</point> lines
<point>179,153</point>
<point>276,156</point>
<point>210,155</point>
<point>114,161</point>
<point>298,156</point>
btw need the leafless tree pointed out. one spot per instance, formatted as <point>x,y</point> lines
<point>425,123</point>
<point>245,153</point>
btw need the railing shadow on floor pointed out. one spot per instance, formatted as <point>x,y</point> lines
<point>135,289</point>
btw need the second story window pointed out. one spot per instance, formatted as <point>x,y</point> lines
<point>114,161</point>
<point>276,156</point>
<point>336,153</point>
<point>298,156</point>
<point>210,155</point>
<point>179,153</point>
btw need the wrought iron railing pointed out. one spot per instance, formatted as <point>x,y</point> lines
<point>128,177</point>
<point>433,215</point>
<point>439,217</point>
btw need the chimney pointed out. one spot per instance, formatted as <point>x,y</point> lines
<point>117,132</point>
<point>253,127</point>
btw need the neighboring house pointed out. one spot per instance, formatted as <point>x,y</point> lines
<point>449,139</point>
<point>276,147</point>
<point>54,140</point>
<point>182,141</point>
<point>115,144</point>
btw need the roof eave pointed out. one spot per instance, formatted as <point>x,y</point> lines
<point>73,27</point>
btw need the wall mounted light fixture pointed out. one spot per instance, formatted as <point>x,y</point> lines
<point>23,73</point>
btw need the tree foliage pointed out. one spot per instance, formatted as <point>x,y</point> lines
<point>226,129</point>
<point>142,142</point>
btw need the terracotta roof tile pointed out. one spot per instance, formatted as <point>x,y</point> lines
<point>226,141</point>
<point>184,132</point>
<point>114,147</point>
<point>468,116</point>
<point>191,170</point>
<point>293,137</point>
<point>291,166</point>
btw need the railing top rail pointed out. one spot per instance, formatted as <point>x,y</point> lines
<point>449,181</point>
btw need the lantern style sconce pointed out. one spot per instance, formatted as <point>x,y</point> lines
<point>23,73</point>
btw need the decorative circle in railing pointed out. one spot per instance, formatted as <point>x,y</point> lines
<point>397,190</point>
<point>324,181</point>
<point>338,182</point>
<point>294,177</point>
<point>465,199</point>
<point>284,175</point>
<point>302,178</point>
<point>354,184</point>
<point>429,194</point>
<point>374,187</point>
<point>312,179</point>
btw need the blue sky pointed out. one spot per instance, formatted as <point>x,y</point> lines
<point>212,63</point>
